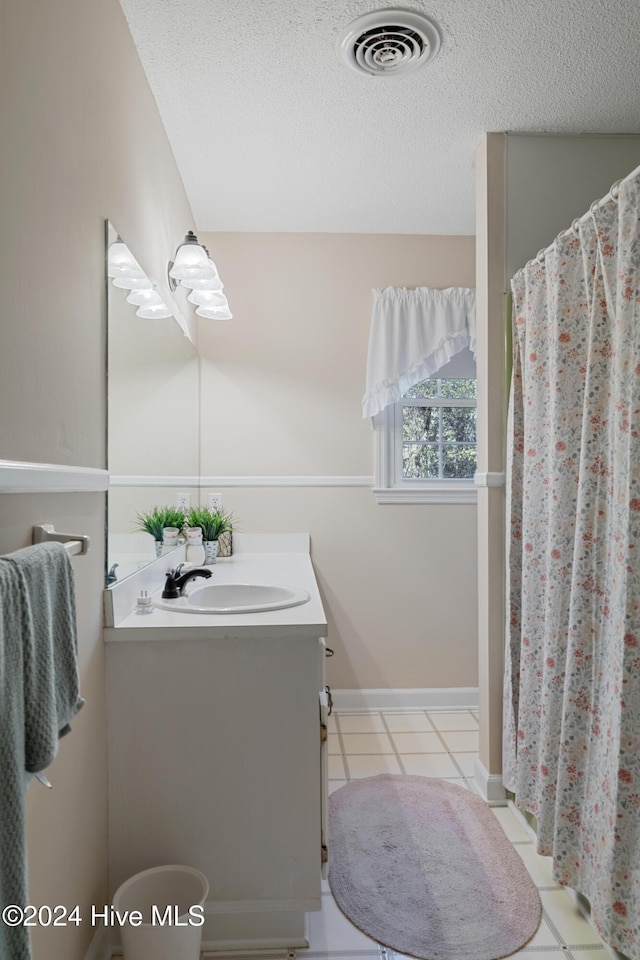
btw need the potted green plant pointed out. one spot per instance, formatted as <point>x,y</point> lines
<point>213,524</point>
<point>159,519</point>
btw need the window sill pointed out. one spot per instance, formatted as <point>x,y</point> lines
<point>463,493</point>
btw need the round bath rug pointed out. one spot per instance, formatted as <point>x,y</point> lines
<point>424,868</point>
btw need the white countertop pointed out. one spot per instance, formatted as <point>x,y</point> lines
<point>286,569</point>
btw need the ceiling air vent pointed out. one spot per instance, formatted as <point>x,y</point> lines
<point>389,42</point>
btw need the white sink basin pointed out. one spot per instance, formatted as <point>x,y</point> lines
<point>236,598</point>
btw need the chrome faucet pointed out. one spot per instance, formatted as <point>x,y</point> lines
<point>176,582</point>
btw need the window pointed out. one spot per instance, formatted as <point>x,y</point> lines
<point>426,446</point>
<point>437,420</point>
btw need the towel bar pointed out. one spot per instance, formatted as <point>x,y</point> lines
<point>74,543</point>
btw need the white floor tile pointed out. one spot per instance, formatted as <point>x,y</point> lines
<point>360,723</point>
<point>461,740</point>
<point>460,720</point>
<point>538,868</point>
<point>329,929</point>
<point>335,785</point>
<point>543,937</point>
<point>418,742</point>
<point>429,765</point>
<point>336,768</point>
<point>510,825</point>
<point>333,744</point>
<point>366,743</point>
<point>402,722</point>
<point>527,954</point>
<point>590,954</point>
<point>360,766</point>
<point>466,762</point>
<point>567,918</point>
<point>331,723</point>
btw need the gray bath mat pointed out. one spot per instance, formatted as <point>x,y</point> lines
<point>424,868</point>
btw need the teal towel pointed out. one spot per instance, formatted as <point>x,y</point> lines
<point>38,698</point>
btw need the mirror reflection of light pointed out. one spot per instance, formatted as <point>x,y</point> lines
<point>147,297</point>
<point>131,283</point>
<point>127,274</point>
<point>121,262</point>
<point>154,311</point>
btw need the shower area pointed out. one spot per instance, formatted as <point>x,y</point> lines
<point>570,725</point>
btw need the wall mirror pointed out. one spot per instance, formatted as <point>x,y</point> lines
<point>152,425</point>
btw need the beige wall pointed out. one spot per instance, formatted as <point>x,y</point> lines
<point>281,391</point>
<point>551,180</point>
<point>81,141</point>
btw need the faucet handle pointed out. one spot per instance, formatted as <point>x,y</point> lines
<point>171,591</point>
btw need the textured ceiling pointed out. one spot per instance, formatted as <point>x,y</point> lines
<point>272,132</point>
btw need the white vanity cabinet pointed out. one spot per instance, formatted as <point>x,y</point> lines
<point>216,761</point>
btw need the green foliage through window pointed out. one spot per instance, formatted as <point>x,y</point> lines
<point>439,430</point>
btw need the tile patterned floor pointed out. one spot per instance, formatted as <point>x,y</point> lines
<point>437,743</point>
<point>433,743</point>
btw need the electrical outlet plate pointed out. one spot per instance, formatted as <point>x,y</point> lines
<point>215,502</point>
<point>183,501</point>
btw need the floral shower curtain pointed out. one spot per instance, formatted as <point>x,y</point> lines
<point>572,678</point>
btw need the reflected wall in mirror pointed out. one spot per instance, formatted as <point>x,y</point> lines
<point>153,424</point>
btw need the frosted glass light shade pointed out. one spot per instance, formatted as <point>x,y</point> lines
<point>144,297</point>
<point>208,298</point>
<point>206,270</point>
<point>156,311</point>
<point>132,283</point>
<point>195,270</point>
<point>209,282</point>
<point>121,262</point>
<point>191,259</point>
<point>150,303</point>
<point>214,313</point>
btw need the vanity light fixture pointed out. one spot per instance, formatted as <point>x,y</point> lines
<point>127,274</point>
<point>195,270</point>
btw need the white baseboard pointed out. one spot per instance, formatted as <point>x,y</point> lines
<point>405,699</point>
<point>490,785</point>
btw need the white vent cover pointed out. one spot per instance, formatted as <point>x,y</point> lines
<point>389,42</point>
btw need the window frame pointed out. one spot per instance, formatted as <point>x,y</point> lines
<point>389,484</point>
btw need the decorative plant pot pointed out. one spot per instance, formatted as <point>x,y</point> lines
<point>225,547</point>
<point>170,536</point>
<point>210,551</point>
<point>158,545</point>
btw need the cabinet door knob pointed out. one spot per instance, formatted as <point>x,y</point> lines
<point>330,699</point>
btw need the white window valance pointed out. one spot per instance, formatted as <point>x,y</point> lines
<point>413,334</point>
